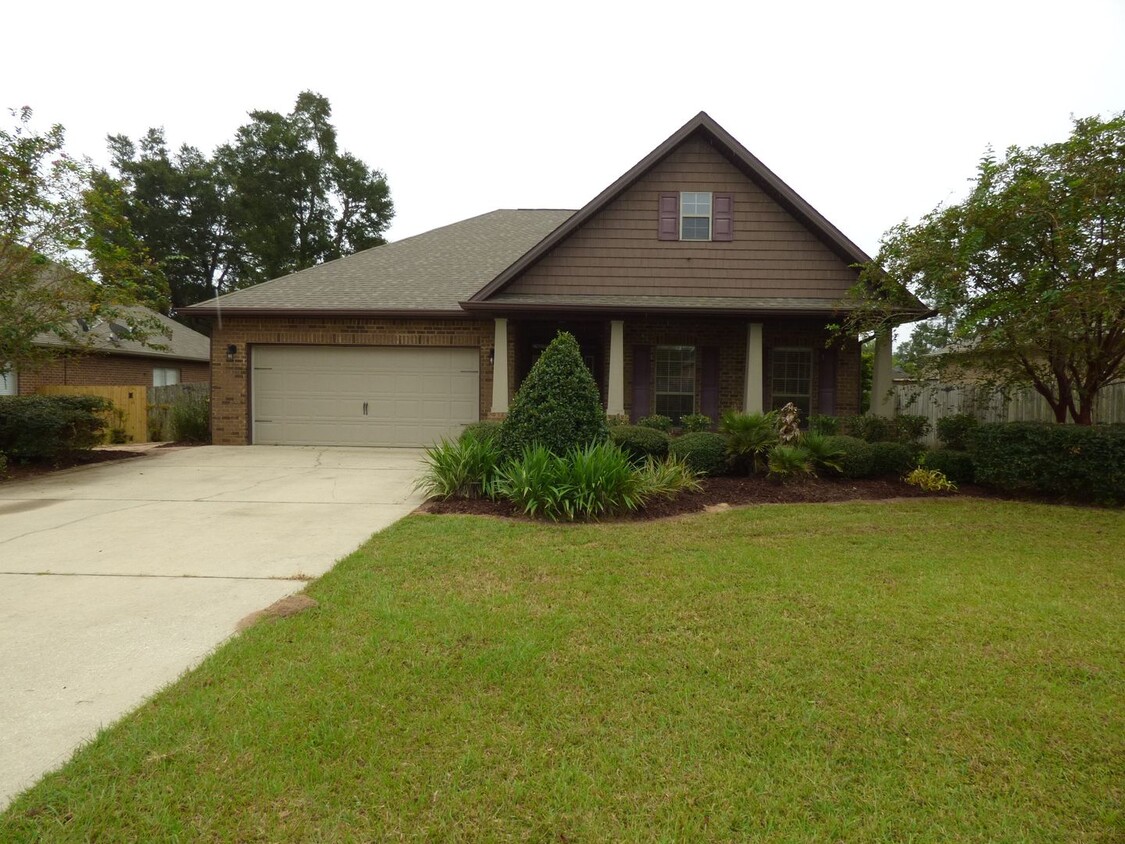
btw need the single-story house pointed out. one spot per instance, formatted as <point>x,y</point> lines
<point>696,282</point>
<point>113,358</point>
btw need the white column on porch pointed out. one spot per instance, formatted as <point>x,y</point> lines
<point>754,392</point>
<point>615,394</point>
<point>882,399</point>
<point>500,367</point>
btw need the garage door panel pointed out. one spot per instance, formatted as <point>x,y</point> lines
<point>314,395</point>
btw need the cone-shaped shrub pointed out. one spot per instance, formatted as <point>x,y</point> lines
<point>557,406</point>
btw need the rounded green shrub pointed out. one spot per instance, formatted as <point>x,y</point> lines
<point>893,459</point>
<point>639,442</point>
<point>557,406</point>
<point>856,457</point>
<point>954,430</point>
<point>656,421</point>
<point>1077,462</point>
<point>828,426</point>
<point>482,432</point>
<point>696,422</point>
<point>910,427</point>
<point>869,428</point>
<point>702,451</point>
<point>955,465</point>
<point>47,427</point>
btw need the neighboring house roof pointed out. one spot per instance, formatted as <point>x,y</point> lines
<point>470,265</point>
<point>173,342</point>
<point>426,274</point>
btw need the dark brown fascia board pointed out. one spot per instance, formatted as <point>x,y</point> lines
<point>494,309</point>
<point>736,152</point>
<point>229,313</point>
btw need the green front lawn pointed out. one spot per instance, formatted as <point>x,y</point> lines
<point>934,670</point>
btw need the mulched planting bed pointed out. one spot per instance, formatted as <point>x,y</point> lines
<point>732,491</point>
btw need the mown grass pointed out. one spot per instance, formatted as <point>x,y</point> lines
<point>919,671</point>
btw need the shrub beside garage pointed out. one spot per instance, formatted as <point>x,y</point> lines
<point>48,427</point>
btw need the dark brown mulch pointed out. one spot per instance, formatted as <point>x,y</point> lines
<point>21,471</point>
<point>726,490</point>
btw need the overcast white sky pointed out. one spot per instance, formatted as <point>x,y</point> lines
<point>874,112</point>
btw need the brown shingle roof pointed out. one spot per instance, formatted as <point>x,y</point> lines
<point>174,341</point>
<point>430,272</point>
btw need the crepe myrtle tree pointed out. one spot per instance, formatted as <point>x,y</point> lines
<point>1027,272</point>
<point>57,276</point>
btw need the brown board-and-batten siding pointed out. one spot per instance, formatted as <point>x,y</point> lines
<point>619,251</point>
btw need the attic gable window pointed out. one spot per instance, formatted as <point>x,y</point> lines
<point>696,216</point>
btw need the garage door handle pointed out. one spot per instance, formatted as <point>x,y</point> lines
<point>365,408</point>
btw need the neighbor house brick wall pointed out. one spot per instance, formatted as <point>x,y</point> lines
<point>230,384</point>
<point>103,370</point>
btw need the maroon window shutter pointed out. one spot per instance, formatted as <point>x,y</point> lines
<point>826,394</point>
<point>709,387</point>
<point>642,381</point>
<point>669,228</point>
<point>722,216</point>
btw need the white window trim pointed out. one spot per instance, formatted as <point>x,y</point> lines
<point>165,370</point>
<point>657,392</point>
<point>774,394</point>
<point>709,216</point>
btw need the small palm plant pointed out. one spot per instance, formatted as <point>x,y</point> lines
<point>750,436</point>
<point>788,462</point>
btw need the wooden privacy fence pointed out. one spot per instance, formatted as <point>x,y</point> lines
<point>936,401</point>
<point>162,399</point>
<point>129,412</point>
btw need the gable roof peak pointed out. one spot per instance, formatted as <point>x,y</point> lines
<point>729,147</point>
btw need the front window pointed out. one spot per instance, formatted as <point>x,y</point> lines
<point>675,381</point>
<point>792,380</point>
<point>695,215</point>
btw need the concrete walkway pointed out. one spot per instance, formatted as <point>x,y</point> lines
<point>118,577</point>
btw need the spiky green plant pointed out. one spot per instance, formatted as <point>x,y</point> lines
<point>826,452</point>
<point>750,436</point>
<point>787,462</point>
<point>464,468</point>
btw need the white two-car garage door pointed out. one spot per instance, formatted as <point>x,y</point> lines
<point>358,395</point>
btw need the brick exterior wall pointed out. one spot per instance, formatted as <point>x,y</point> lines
<point>103,370</point>
<point>230,385</point>
<point>729,336</point>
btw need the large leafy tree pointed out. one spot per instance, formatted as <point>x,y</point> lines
<point>281,196</point>
<point>68,258</point>
<point>177,205</point>
<point>1028,270</point>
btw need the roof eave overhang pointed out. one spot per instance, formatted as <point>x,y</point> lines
<point>343,313</point>
<point>547,308</point>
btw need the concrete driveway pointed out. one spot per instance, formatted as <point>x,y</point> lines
<point>116,578</point>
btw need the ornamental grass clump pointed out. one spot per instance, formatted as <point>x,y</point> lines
<point>558,405</point>
<point>584,483</point>
<point>463,468</point>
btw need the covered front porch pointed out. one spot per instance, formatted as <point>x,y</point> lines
<point>675,365</point>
